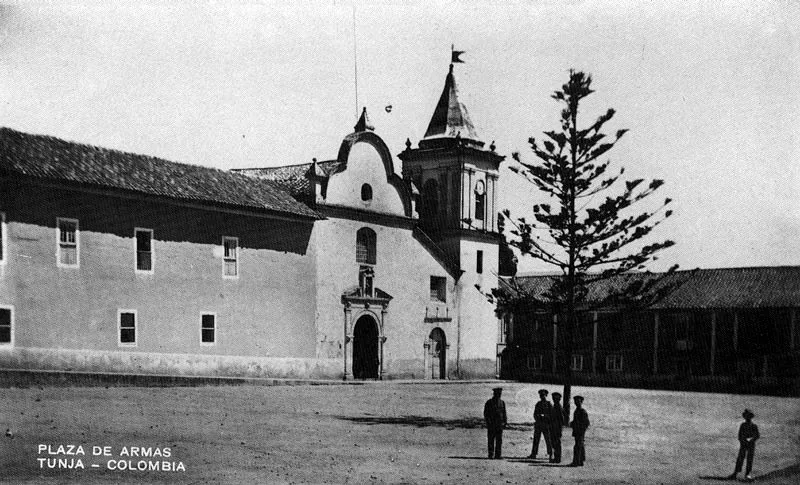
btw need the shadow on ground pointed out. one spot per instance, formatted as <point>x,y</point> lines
<point>791,471</point>
<point>426,421</point>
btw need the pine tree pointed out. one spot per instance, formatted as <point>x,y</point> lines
<point>588,231</point>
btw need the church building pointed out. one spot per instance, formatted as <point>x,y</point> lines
<point>342,268</point>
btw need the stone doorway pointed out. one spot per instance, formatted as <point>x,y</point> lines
<point>437,354</point>
<point>365,349</point>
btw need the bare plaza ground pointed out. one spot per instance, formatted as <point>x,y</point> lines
<point>387,432</point>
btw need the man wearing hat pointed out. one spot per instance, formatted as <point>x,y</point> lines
<point>541,424</point>
<point>580,421</point>
<point>494,412</point>
<point>748,434</point>
<point>556,423</point>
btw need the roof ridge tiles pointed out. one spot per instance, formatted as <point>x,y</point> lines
<point>48,157</point>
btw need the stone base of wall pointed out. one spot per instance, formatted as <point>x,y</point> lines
<point>169,364</point>
<point>196,365</point>
<point>415,369</point>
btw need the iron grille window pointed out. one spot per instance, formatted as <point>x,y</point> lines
<point>439,289</point>
<point>127,327</point>
<point>67,242</point>
<point>230,257</point>
<point>365,246</point>
<point>144,250</point>
<point>208,328</point>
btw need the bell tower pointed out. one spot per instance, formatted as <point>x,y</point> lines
<point>457,179</point>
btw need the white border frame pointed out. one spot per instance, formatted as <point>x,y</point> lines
<point>238,261</point>
<point>216,329</point>
<point>120,311</point>
<point>608,359</point>
<point>10,344</point>
<point>136,252</point>
<point>77,243</point>
<point>3,239</point>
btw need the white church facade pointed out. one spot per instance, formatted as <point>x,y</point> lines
<point>340,268</point>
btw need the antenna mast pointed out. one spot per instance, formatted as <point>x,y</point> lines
<point>355,58</point>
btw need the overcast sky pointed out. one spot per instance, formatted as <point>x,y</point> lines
<point>709,91</point>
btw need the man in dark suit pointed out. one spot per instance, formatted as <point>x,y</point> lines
<point>580,421</point>
<point>556,423</point>
<point>541,424</point>
<point>494,412</point>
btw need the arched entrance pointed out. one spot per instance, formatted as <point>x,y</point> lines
<point>437,354</point>
<point>365,349</point>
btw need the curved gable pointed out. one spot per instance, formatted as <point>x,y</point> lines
<point>365,159</point>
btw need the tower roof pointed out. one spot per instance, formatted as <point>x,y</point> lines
<point>450,118</point>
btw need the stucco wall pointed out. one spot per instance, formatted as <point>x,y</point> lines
<point>267,312</point>
<point>403,269</point>
<point>480,327</point>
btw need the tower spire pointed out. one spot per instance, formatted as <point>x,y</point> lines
<point>450,117</point>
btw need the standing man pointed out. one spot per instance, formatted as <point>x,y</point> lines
<point>748,434</point>
<point>494,412</point>
<point>541,424</point>
<point>580,421</point>
<point>556,423</point>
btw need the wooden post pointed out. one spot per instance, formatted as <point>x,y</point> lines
<point>555,340</point>
<point>594,342</point>
<point>713,341</point>
<point>655,343</point>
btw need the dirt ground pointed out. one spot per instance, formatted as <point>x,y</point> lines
<point>387,432</point>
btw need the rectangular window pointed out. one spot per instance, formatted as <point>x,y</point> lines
<point>439,289</point>
<point>6,326</point>
<point>614,363</point>
<point>479,262</point>
<point>577,362</point>
<point>535,362</point>
<point>2,237</point>
<point>68,240</point>
<point>127,328</point>
<point>208,329</point>
<point>144,250</point>
<point>230,258</point>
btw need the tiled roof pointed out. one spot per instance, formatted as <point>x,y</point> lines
<point>756,287</point>
<point>291,177</point>
<point>49,158</point>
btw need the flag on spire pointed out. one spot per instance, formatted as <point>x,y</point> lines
<point>455,55</point>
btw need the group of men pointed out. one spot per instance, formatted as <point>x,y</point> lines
<point>548,423</point>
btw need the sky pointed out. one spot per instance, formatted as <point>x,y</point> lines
<point>710,91</point>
